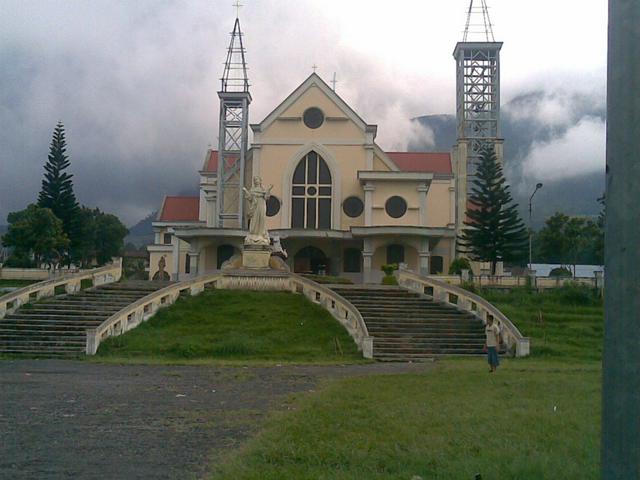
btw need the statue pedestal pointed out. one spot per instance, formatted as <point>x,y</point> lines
<point>256,257</point>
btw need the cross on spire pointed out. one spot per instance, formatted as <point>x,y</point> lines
<point>238,5</point>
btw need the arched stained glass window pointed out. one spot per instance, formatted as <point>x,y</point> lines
<point>311,194</point>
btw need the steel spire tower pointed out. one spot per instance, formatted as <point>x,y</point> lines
<point>233,137</point>
<point>477,97</point>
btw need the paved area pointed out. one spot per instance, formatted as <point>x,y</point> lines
<point>78,420</point>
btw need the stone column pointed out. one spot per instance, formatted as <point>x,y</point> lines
<point>425,257</point>
<point>175,274</point>
<point>422,193</point>
<point>452,206</point>
<point>194,258</point>
<point>368,204</point>
<point>367,260</point>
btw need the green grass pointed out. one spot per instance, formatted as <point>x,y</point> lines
<point>236,326</point>
<point>532,420</point>
<point>572,321</point>
<point>4,282</point>
<point>535,418</point>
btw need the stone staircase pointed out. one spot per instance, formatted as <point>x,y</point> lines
<point>55,326</point>
<point>408,327</point>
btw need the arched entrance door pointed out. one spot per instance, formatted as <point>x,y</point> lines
<point>310,260</point>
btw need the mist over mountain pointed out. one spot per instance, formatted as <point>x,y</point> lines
<point>555,138</point>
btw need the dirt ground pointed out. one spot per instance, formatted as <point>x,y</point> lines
<point>71,419</point>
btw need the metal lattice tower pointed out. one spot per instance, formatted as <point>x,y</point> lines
<point>233,137</point>
<point>478,87</point>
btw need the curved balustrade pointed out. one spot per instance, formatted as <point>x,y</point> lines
<point>343,311</point>
<point>140,311</point>
<point>469,302</point>
<point>11,301</point>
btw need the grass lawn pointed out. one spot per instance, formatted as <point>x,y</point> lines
<point>236,325</point>
<point>4,282</point>
<point>535,418</point>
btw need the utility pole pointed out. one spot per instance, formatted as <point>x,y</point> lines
<point>538,187</point>
<point>621,359</point>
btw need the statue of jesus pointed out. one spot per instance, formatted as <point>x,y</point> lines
<point>257,198</point>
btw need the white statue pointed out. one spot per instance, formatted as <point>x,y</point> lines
<point>257,198</point>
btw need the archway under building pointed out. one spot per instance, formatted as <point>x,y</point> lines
<point>311,260</point>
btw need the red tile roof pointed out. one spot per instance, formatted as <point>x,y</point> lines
<point>211,162</point>
<point>431,162</point>
<point>180,209</point>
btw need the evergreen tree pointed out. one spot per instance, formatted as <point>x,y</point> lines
<point>494,231</point>
<point>57,185</point>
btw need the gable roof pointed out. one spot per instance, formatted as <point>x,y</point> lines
<point>312,80</point>
<point>179,209</point>
<point>432,162</point>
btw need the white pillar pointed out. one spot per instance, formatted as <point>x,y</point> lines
<point>367,261</point>
<point>425,257</point>
<point>368,204</point>
<point>175,274</point>
<point>194,262</point>
<point>422,193</point>
<point>452,205</point>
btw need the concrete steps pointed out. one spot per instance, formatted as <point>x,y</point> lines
<point>408,327</point>
<point>56,326</point>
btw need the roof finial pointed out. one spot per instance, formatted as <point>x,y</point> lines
<point>238,5</point>
<point>477,25</point>
<point>314,66</point>
<point>333,82</point>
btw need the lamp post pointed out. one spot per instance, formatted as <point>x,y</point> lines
<point>538,187</point>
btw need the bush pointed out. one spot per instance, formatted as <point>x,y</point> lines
<point>458,265</point>
<point>389,269</point>
<point>389,280</point>
<point>19,260</point>
<point>469,287</point>
<point>560,272</point>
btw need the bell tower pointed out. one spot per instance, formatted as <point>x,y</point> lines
<point>477,59</point>
<point>233,135</point>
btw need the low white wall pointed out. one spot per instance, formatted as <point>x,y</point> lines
<point>7,273</point>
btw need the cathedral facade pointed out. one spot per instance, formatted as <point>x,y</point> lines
<point>340,205</point>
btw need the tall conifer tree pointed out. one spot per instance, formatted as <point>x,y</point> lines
<point>57,185</point>
<point>494,231</point>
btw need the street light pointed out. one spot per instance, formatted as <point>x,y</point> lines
<point>538,187</point>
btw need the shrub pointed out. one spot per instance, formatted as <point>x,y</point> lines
<point>389,269</point>
<point>560,272</point>
<point>469,287</point>
<point>576,294</point>
<point>459,264</point>
<point>389,280</point>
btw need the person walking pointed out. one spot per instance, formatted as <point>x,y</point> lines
<point>492,343</point>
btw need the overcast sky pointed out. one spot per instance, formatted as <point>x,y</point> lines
<point>135,82</point>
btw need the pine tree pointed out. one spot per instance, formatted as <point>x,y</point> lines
<point>494,231</point>
<point>57,185</point>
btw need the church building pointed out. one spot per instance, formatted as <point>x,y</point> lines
<point>340,205</point>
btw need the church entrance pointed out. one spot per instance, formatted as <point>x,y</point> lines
<point>311,260</point>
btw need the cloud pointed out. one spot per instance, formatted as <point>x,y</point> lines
<point>579,151</point>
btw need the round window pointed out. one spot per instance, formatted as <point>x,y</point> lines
<point>396,207</point>
<point>353,207</point>
<point>273,206</point>
<point>313,117</point>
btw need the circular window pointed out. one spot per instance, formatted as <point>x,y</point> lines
<point>312,191</point>
<point>353,207</point>
<point>396,207</point>
<point>313,117</point>
<point>273,206</point>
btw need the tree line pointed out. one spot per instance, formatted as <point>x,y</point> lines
<point>57,230</point>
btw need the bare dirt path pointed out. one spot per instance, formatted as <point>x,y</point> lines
<point>80,420</point>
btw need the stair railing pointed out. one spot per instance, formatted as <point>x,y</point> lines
<point>141,310</point>
<point>342,310</point>
<point>72,283</point>
<point>467,302</point>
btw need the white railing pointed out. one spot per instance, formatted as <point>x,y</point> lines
<point>343,311</point>
<point>540,283</point>
<point>468,302</point>
<point>140,311</point>
<point>72,283</point>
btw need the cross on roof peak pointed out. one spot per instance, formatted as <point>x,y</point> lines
<point>237,4</point>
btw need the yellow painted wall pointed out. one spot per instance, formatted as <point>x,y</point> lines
<point>386,190</point>
<point>438,204</point>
